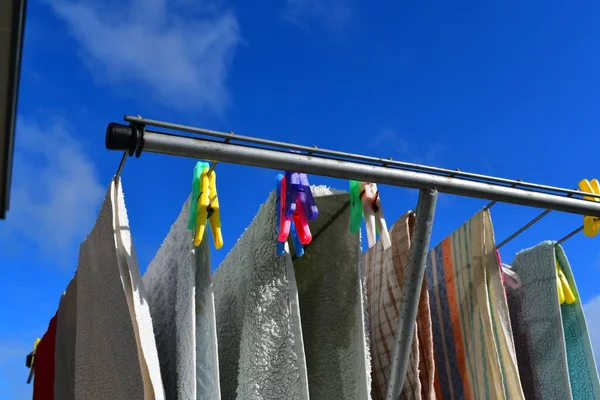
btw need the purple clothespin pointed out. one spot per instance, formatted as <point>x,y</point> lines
<point>298,190</point>
<point>306,198</point>
<point>292,181</point>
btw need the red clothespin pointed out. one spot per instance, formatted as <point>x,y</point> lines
<point>295,200</point>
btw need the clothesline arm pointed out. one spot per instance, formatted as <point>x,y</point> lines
<point>135,138</point>
<point>411,291</point>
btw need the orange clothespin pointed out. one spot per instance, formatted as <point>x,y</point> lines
<point>591,225</point>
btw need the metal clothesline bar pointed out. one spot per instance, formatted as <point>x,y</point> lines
<point>411,290</point>
<point>570,235</point>
<point>314,150</point>
<point>124,137</point>
<point>526,226</point>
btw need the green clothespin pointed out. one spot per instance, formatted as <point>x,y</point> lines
<point>356,208</point>
<point>195,194</point>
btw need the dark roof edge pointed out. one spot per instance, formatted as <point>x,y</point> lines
<point>18,20</point>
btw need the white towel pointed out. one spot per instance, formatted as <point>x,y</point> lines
<point>332,295</point>
<point>115,351</point>
<point>182,306</point>
<point>261,354</point>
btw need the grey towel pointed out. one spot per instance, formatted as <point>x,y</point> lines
<point>115,351</point>
<point>332,293</point>
<point>64,353</point>
<point>261,353</point>
<point>537,325</point>
<point>178,283</point>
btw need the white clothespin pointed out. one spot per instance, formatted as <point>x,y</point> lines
<point>373,214</point>
<point>511,278</point>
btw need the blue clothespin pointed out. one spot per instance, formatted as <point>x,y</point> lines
<point>298,189</point>
<point>281,245</point>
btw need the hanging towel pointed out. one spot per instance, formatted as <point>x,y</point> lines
<point>115,350</point>
<point>385,270</point>
<point>64,376</point>
<point>261,351</point>
<point>43,382</point>
<point>332,293</point>
<point>537,325</point>
<point>583,374</point>
<point>474,351</point>
<point>178,284</point>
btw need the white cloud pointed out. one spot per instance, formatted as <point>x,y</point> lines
<point>592,317</point>
<point>332,14</point>
<point>55,189</point>
<point>388,140</point>
<point>180,50</point>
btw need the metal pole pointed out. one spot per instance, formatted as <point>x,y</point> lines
<point>340,154</point>
<point>524,228</point>
<point>411,290</point>
<point>570,235</point>
<point>155,142</point>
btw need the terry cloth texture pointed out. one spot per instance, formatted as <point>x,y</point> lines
<point>537,325</point>
<point>332,293</point>
<point>178,284</point>
<point>64,376</point>
<point>261,352</point>
<point>474,351</point>
<point>583,374</point>
<point>115,350</point>
<point>386,271</point>
<point>43,382</point>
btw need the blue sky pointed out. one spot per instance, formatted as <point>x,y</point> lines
<point>507,89</point>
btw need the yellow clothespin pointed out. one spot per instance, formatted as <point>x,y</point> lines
<point>591,225</point>
<point>565,294</point>
<point>29,362</point>
<point>208,209</point>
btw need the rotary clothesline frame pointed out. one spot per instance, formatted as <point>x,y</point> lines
<point>135,138</point>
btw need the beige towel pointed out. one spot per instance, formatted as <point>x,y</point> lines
<point>385,270</point>
<point>115,351</point>
<point>64,353</point>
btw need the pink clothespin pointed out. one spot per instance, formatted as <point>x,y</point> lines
<point>292,210</point>
<point>373,214</point>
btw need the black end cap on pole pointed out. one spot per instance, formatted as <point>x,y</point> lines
<point>129,138</point>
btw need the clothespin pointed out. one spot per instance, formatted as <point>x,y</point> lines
<point>565,294</point>
<point>200,166</point>
<point>356,209</point>
<point>298,192</point>
<point>281,245</point>
<point>207,207</point>
<point>510,277</point>
<point>30,360</point>
<point>591,225</point>
<point>298,216</point>
<point>365,202</point>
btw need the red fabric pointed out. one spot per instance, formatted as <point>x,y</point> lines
<point>43,382</point>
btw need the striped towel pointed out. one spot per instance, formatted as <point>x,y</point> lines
<point>385,274</point>
<point>474,349</point>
